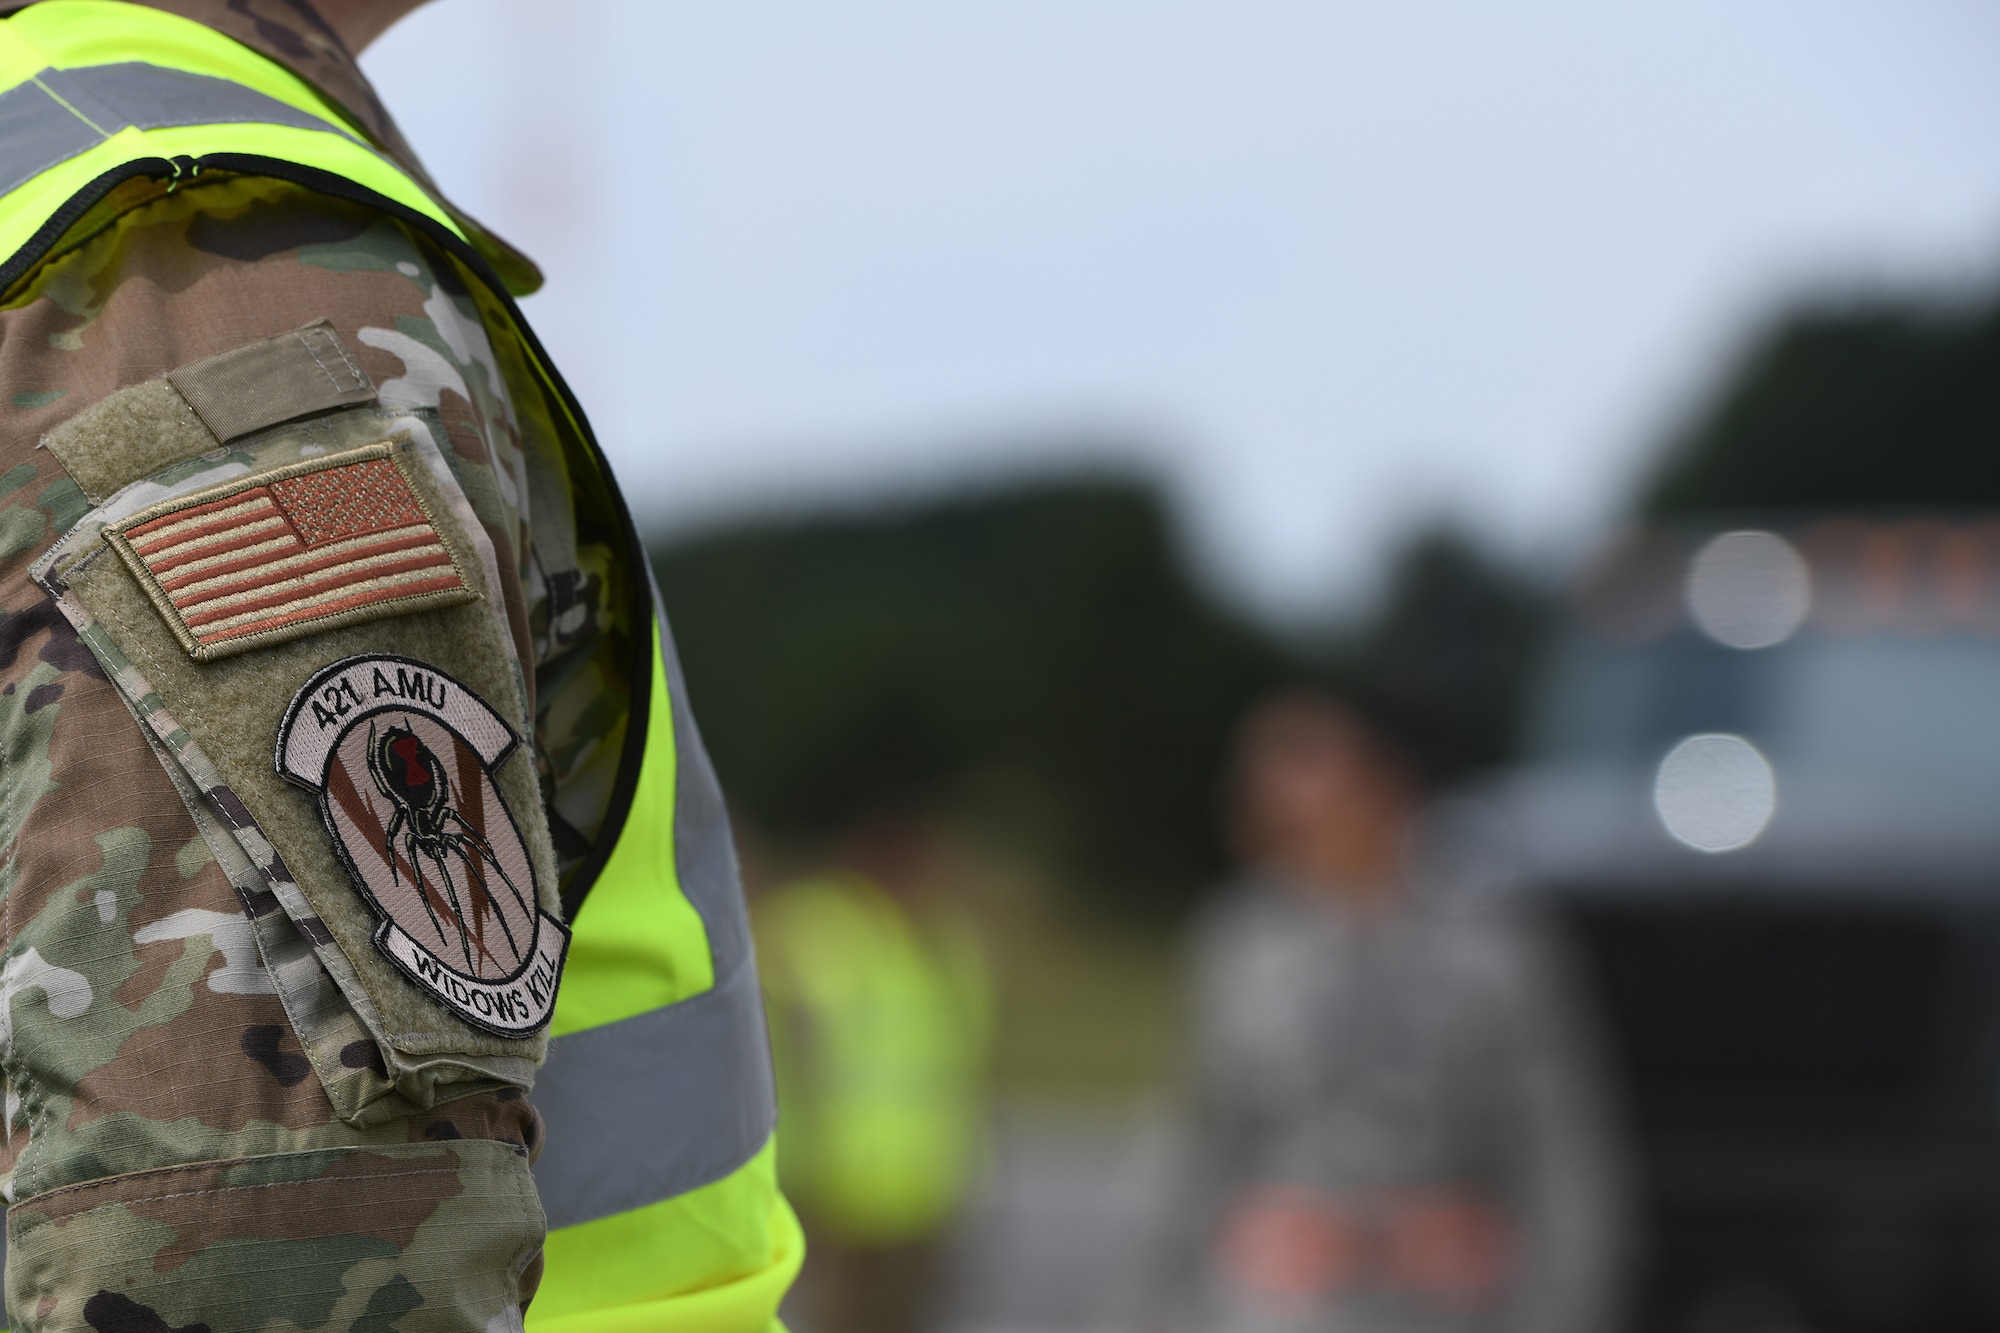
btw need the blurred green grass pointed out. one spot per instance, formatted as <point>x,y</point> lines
<point>1088,1007</point>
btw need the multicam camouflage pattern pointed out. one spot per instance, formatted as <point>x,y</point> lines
<point>327,1019</point>
<point>245,1243</point>
<point>182,1145</point>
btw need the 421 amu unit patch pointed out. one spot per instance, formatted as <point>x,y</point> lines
<point>402,758</point>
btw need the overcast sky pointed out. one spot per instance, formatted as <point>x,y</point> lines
<point>1325,266</point>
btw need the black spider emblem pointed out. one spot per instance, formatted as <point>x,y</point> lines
<point>431,832</point>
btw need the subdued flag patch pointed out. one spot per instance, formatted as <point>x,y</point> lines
<point>292,552</point>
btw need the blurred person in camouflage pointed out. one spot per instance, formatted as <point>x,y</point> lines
<point>1395,1127</point>
<point>346,775</point>
<point>880,1002</point>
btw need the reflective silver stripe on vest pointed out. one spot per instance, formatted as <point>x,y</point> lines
<point>656,1105</point>
<point>63,113</point>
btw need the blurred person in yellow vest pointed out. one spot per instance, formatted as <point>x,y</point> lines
<point>880,1004</point>
<point>1395,1122</point>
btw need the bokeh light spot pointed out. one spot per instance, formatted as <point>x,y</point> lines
<point>1715,792</point>
<point>1749,589</point>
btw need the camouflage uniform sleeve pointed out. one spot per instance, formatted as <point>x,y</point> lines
<point>178,1153</point>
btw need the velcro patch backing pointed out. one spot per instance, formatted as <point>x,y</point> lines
<point>307,548</point>
<point>278,379</point>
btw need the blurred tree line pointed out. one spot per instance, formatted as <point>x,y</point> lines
<point>1043,657</point>
<point>1042,660</point>
<point>1883,402</point>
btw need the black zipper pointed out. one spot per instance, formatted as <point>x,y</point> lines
<point>59,222</point>
<point>339,187</point>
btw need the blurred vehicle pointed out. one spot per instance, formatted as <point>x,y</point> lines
<point>1765,797</point>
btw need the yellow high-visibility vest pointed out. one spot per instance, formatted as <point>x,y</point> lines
<point>658,1177</point>
<point>879,1018</point>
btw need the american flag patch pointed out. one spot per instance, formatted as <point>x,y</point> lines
<point>293,552</point>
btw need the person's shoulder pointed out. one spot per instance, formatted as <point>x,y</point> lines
<point>165,279</point>
<point>1244,918</point>
<point>1493,944</point>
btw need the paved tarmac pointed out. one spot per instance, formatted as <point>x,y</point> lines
<point>1054,1241</point>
